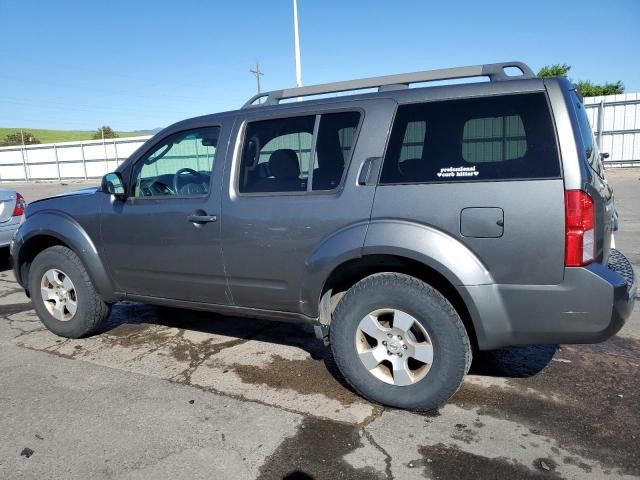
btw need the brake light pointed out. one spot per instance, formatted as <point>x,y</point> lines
<point>20,205</point>
<point>579,228</point>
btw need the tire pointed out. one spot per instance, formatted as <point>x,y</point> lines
<point>394,300</point>
<point>88,308</point>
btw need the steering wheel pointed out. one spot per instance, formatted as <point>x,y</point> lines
<point>190,171</point>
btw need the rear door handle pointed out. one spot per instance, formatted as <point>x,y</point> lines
<point>364,177</point>
<point>202,218</point>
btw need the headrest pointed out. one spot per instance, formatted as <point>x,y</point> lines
<point>283,164</point>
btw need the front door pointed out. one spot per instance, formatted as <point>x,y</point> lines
<point>164,239</point>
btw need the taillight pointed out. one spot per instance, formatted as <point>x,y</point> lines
<point>579,224</point>
<point>20,204</point>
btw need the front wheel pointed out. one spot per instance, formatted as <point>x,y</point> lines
<point>63,295</point>
<point>399,342</point>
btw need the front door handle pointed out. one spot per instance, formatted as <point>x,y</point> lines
<point>199,219</point>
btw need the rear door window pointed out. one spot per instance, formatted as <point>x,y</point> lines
<point>476,139</point>
<point>276,155</point>
<point>279,156</point>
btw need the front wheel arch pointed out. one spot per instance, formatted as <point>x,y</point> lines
<point>50,228</point>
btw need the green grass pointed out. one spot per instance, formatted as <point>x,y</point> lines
<point>53,136</point>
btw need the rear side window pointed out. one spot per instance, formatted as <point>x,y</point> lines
<point>336,136</point>
<point>590,147</point>
<point>278,154</point>
<point>489,138</point>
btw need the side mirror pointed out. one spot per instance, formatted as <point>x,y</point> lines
<point>604,156</point>
<point>112,183</point>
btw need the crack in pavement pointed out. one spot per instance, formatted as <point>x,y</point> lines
<point>196,359</point>
<point>22,331</point>
<point>387,458</point>
<point>317,450</point>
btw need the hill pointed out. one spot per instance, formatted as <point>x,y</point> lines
<point>52,136</point>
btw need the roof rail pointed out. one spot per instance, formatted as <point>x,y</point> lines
<point>495,72</point>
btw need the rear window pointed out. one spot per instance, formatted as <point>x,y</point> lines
<point>489,138</point>
<point>589,145</point>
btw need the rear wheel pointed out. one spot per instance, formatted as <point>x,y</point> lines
<point>63,295</point>
<point>399,342</point>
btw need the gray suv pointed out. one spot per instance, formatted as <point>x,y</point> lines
<point>411,226</point>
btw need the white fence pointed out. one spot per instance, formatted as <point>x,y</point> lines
<point>66,160</point>
<point>615,120</point>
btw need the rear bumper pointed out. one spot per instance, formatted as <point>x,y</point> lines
<point>7,229</point>
<point>589,306</point>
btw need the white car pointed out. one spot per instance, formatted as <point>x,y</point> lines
<point>12,206</point>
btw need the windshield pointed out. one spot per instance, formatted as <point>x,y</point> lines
<point>588,141</point>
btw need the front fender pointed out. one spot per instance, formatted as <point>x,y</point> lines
<point>66,230</point>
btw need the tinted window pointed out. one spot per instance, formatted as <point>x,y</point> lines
<point>493,139</point>
<point>275,155</point>
<point>336,135</point>
<point>413,140</point>
<point>490,138</point>
<point>590,147</point>
<point>179,165</point>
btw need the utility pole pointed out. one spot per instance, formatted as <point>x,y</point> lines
<point>296,41</point>
<point>258,74</point>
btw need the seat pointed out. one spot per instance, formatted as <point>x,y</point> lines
<point>285,174</point>
<point>330,161</point>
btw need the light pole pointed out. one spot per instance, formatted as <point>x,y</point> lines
<point>296,40</point>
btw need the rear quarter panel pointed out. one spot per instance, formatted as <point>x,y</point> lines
<point>531,249</point>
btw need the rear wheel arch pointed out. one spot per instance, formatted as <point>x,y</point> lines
<point>399,342</point>
<point>350,272</point>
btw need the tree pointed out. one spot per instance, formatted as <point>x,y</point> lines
<point>15,138</point>
<point>587,88</point>
<point>105,130</point>
<point>555,70</point>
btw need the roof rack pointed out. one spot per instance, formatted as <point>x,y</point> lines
<point>495,72</point>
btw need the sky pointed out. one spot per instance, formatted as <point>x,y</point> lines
<point>141,64</point>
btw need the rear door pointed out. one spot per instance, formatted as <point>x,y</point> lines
<point>486,171</point>
<point>292,186</point>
